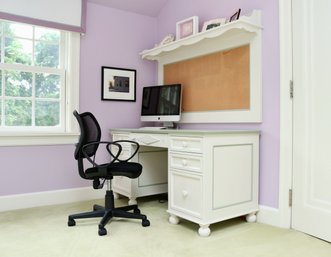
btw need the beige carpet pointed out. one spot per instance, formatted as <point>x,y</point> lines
<point>43,232</point>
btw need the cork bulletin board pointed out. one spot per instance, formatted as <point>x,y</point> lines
<point>217,81</point>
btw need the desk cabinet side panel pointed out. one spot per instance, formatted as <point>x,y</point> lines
<point>233,180</point>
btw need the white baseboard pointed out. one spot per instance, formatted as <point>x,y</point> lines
<point>268,215</point>
<point>22,201</point>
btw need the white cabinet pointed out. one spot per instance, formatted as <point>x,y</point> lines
<point>212,175</point>
<point>213,178</point>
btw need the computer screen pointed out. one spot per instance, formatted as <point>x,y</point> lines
<point>161,103</point>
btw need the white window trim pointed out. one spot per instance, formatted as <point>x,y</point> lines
<point>71,133</point>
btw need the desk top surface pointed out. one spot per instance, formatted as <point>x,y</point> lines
<point>181,131</point>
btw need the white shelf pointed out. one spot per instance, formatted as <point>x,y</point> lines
<point>245,31</point>
<point>250,23</point>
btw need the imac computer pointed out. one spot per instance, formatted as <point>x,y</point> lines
<point>162,104</point>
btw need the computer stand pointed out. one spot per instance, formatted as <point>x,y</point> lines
<point>169,125</point>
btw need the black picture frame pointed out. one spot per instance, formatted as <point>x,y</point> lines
<point>118,84</point>
<point>235,16</point>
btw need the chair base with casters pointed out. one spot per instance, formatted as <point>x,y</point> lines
<point>108,212</point>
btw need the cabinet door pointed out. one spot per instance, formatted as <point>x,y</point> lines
<point>186,193</point>
<point>311,211</point>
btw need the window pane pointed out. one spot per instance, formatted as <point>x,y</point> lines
<point>18,83</point>
<point>47,85</point>
<point>18,30</point>
<point>47,113</point>
<point>32,82</point>
<point>18,51</point>
<point>44,34</point>
<point>47,55</point>
<point>18,112</point>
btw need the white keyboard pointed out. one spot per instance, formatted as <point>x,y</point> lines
<point>152,128</point>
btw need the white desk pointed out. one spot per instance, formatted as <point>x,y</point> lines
<point>209,175</point>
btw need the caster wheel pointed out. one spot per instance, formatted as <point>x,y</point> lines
<point>136,211</point>
<point>71,222</point>
<point>145,223</point>
<point>102,232</point>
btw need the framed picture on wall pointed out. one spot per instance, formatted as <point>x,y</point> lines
<point>118,84</point>
<point>187,27</point>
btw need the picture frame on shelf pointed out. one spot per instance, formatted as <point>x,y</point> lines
<point>118,84</point>
<point>187,27</point>
<point>213,23</point>
<point>235,16</point>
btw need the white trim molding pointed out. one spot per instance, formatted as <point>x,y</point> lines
<point>286,116</point>
<point>19,139</point>
<point>270,216</point>
<point>58,14</point>
<point>30,200</point>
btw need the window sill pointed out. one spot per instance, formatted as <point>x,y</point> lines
<point>27,139</point>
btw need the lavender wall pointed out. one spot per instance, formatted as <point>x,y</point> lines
<point>113,38</point>
<point>210,9</point>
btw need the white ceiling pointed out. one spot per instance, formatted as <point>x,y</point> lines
<point>144,7</point>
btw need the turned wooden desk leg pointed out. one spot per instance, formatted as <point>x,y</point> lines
<point>251,217</point>
<point>173,219</point>
<point>204,230</point>
<point>132,201</point>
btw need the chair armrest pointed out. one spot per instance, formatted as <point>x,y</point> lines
<point>132,155</point>
<point>108,144</point>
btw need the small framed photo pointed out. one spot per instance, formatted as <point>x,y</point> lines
<point>235,16</point>
<point>118,84</point>
<point>187,27</point>
<point>213,23</point>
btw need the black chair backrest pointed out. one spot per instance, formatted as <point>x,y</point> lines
<point>89,132</point>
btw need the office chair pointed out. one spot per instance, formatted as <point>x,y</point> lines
<point>86,149</point>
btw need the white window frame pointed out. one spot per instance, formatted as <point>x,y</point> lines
<point>70,132</point>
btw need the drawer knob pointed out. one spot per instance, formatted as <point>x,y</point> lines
<point>184,162</point>
<point>185,193</point>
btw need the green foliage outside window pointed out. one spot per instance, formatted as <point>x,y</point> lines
<point>29,98</point>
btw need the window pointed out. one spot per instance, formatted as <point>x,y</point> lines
<point>38,79</point>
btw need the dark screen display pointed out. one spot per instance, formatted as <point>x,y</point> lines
<point>161,100</point>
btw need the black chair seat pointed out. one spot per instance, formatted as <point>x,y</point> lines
<point>126,169</point>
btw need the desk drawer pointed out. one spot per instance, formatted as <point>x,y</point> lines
<point>157,140</point>
<point>125,146</point>
<point>188,162</point>
<point>186,144</point>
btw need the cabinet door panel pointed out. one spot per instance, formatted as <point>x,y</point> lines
<point>186,193</point>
